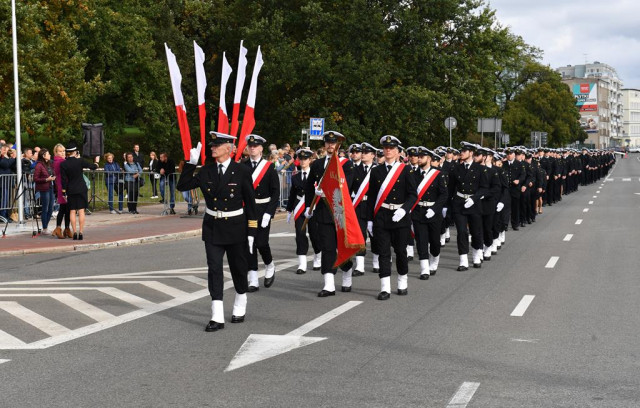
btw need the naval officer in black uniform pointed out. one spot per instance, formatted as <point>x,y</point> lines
<point>267,187</point>
<point>322,214</point>
<point>229,224</point>
<point>390,222</point>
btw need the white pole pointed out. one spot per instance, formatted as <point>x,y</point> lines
<point>17,115</point>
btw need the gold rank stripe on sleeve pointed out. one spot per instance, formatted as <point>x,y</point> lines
<point>253,223</point>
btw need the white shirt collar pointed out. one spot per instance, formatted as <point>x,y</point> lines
<point>225,164</point>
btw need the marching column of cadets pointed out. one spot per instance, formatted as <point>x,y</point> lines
<point>402,198</point>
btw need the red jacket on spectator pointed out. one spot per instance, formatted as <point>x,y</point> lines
<point>40,175</point>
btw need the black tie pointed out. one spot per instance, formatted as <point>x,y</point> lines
<point>255,164</point>
<point>466,166</point>
<point>366,168</point>
<point>389,167</point>
<point>304,176</point>
<point>423,172</point>
<point>220,173</point>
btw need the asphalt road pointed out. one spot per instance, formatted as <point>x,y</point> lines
<point>124,326</point>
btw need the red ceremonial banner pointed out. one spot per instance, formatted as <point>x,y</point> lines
<point>338,200</point>
<point>184,131</point>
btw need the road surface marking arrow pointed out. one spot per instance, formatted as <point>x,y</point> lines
<point>260,347</point>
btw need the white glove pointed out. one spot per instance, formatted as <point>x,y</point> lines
<point>499,207</point>
<point>319,191</point>
<point>430,213</point>
<point>266,219</point>
<point>308,213</point>
<point>468,203</point>
<point>398,214</point>
<point>444,212</point>
<point>250,241</point>
<point>288,218</point>
<point>195,154</point>
<point>370,227</point>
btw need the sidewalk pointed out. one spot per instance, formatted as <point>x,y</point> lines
<point>105,230</point>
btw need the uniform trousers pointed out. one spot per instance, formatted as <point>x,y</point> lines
<point>302,242</point>
<point>515,211</point>
<point>262,246</point>
<point>396,238</point>
<point>488,224</point>
<point>363,227</point>
<point>237,257</point>
<point>525,205</point>
<point>428,237</point>
<point>475,227</point>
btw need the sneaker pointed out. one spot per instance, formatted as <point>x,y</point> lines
<point>172,212</point>
<point>112,212</point>
<point>118,211</point>
<point>44,232</point>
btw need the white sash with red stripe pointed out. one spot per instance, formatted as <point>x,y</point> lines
<point>297,212</point>
<point>426,183</point>
<point>259,172</point>
<point>364,187</point>
<point>387,185</point>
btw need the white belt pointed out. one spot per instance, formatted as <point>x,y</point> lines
<point>426,203</point>
<point>465,196</point>
<point>391,206</point>
<point>224,214</point>
<point>263,200</point>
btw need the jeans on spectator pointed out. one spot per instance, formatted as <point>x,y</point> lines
<point>4,197</point>
<point>187,198</point>
<point>46,201</point>
<point>110,188</point>
<point>172,186</point>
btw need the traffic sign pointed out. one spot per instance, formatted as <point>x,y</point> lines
<point>316,128</point>
<point>450,123</point>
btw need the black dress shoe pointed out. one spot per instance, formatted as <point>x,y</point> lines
<point>75,236</point>
<point>424,276</point>
<point>487,258</point>
<point>237,319</point>
<point>522,225</point>
<point>214,326</point>
<point>269,281</point>
<point>384,296</point>
<point>376,270</point>
<point>80,236</point>
<point>300,272</point>
<point>447,240</point>
<point>477,265</point>
<point>515,228</point>
<point>346,289</point>
<point>403,292</point>
<point>433,272</point>
<point>409,258</point>
<point>357,273</point>
<point>499,246</point>
<point>325,293</point>
<point>462,268</point>
<point>494,252</point>
<point>253,289</point>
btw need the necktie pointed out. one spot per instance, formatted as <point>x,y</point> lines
<point>366,168</point>
<point>304,176</point>
<point>220,172</point>
<point>255,164</point>
<point>389,167</point>
<point>466,166</point>
<point>423,172</point>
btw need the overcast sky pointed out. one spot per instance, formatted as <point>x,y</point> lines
<point>572,31</point>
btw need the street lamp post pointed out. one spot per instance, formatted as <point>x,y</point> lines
<point>17,113</point>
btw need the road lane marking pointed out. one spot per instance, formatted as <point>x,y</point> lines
<point>552,262</point>
<point>525,340</point>
<point>568,237</point>
<point>464,394</point>
<point>73,302</point>
<point>36,320</point>
<point>590,202</point>
<point>595,196</point>
<point>4,360</point>
<point>598,192</point>
<point>626,179</point>
<point>6,338</point>
<point>578,221</point>
<point>585,210</point>
<point>522,306</point>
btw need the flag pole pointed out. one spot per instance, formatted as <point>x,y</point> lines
<point>315,197</point>
<point>17,114</point>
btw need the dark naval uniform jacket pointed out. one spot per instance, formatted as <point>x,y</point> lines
<point>321,213</point>
<point>234,191</point>
<point>437,193</point>
<point>358,178</point>
<point>296,190</point>
<point>403,195</point>
<point>269,187</point>
<point>515,171</point>
<point>491,199</point>
<point>473,183</point>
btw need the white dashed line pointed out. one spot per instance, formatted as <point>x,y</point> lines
<point>568,237</point>
<point>626,179</point>
<point>598,192</point>
<point>463,395</point>
<point>4,361</point>
<point>595,196</point>
<point>522,306</point>
<point>552,262</point>
<point>578,221</point>
<point>590,202</point>
<point>585,210</point>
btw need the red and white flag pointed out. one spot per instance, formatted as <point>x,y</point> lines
<point>223,117</point>
<point>348,232</point>
<point>242,68</point>
<point>248,121</point>
<point>201,81</point>
<point>176,80</point>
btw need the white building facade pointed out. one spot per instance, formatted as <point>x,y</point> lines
<point>631,117</point>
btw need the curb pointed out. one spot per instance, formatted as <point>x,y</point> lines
<point>103,245</point>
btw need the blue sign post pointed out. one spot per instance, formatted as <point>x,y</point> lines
<point>316,128</point>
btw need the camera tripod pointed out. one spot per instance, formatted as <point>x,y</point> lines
<point>29,193</point>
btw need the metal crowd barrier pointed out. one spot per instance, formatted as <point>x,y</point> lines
<point>9,197</point>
